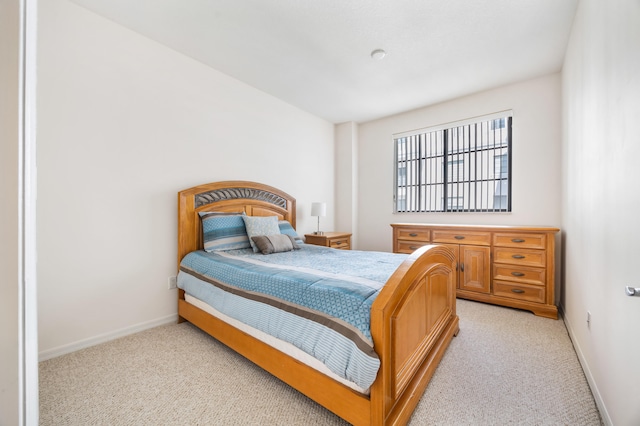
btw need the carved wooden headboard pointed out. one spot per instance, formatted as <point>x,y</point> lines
<point>255,199</point>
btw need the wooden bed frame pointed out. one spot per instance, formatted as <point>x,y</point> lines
<point>413,319</point>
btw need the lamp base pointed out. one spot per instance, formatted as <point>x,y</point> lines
<point>318,232</point>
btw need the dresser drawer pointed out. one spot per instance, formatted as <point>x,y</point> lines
<point>340,243</point>
<point>411,234</point>
<point>519,291</point>
<point>522,257</point>
<point>531,241</point>
<point>409,246</point>
<point>462,237</point>
<point>521,274</point>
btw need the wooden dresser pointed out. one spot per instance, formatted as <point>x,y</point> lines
<point>504,265</point>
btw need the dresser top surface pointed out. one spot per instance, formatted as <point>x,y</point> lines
<point>480,227</point>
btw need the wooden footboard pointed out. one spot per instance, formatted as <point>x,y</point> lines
<point>412,322</point>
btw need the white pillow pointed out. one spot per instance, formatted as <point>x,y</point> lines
<point>260,225</point>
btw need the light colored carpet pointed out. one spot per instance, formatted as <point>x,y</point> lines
<point>505,367</point>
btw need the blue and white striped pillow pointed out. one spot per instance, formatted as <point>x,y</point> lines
<point>222,231</point>
<point>287,229</point>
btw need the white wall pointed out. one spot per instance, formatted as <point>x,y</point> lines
<point>601,148</point>
<point>124,124</point>
<point>536,160</point>
<point>346,175</point>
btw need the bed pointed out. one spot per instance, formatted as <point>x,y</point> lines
<point>412,317</point>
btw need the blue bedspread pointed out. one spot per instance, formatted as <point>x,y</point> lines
<point>316,298</point>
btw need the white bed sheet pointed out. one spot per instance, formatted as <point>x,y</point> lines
<point>276,343</point>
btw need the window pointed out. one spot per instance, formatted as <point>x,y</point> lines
<point>462,167</point>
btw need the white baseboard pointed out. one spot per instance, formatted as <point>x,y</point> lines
<point>587,372</point>
<point>96,340</point>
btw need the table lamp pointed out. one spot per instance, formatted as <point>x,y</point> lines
<point>318,209</point>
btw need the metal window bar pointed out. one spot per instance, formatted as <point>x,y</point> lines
<point>464,168</point>
<point>493,136</point>
<point>498,173</point>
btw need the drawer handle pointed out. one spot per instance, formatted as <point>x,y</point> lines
<point>518,256</point>
<point>517,290</point>
<point>459,237</point>
<point>517,274</point>
<point>413,234</point>
<point>414,247</point>
<point>462,267</point>
<point>517,240</point>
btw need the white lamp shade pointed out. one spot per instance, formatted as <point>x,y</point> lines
<point>319,209</point>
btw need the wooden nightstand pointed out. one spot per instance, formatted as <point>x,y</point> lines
<point>336,240</point>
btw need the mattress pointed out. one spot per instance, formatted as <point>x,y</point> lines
<point>281,345</point>
<point>316,299</point>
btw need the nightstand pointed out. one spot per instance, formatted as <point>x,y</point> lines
<point>336,240</point>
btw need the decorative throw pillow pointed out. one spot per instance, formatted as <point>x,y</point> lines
<point>277,243</point>
<point>222,231</point>
<point>260,225</point>
<point>286,228</point>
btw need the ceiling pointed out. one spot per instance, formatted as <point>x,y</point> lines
<point>316,54</point>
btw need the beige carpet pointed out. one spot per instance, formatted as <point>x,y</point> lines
<point>505,367</point>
